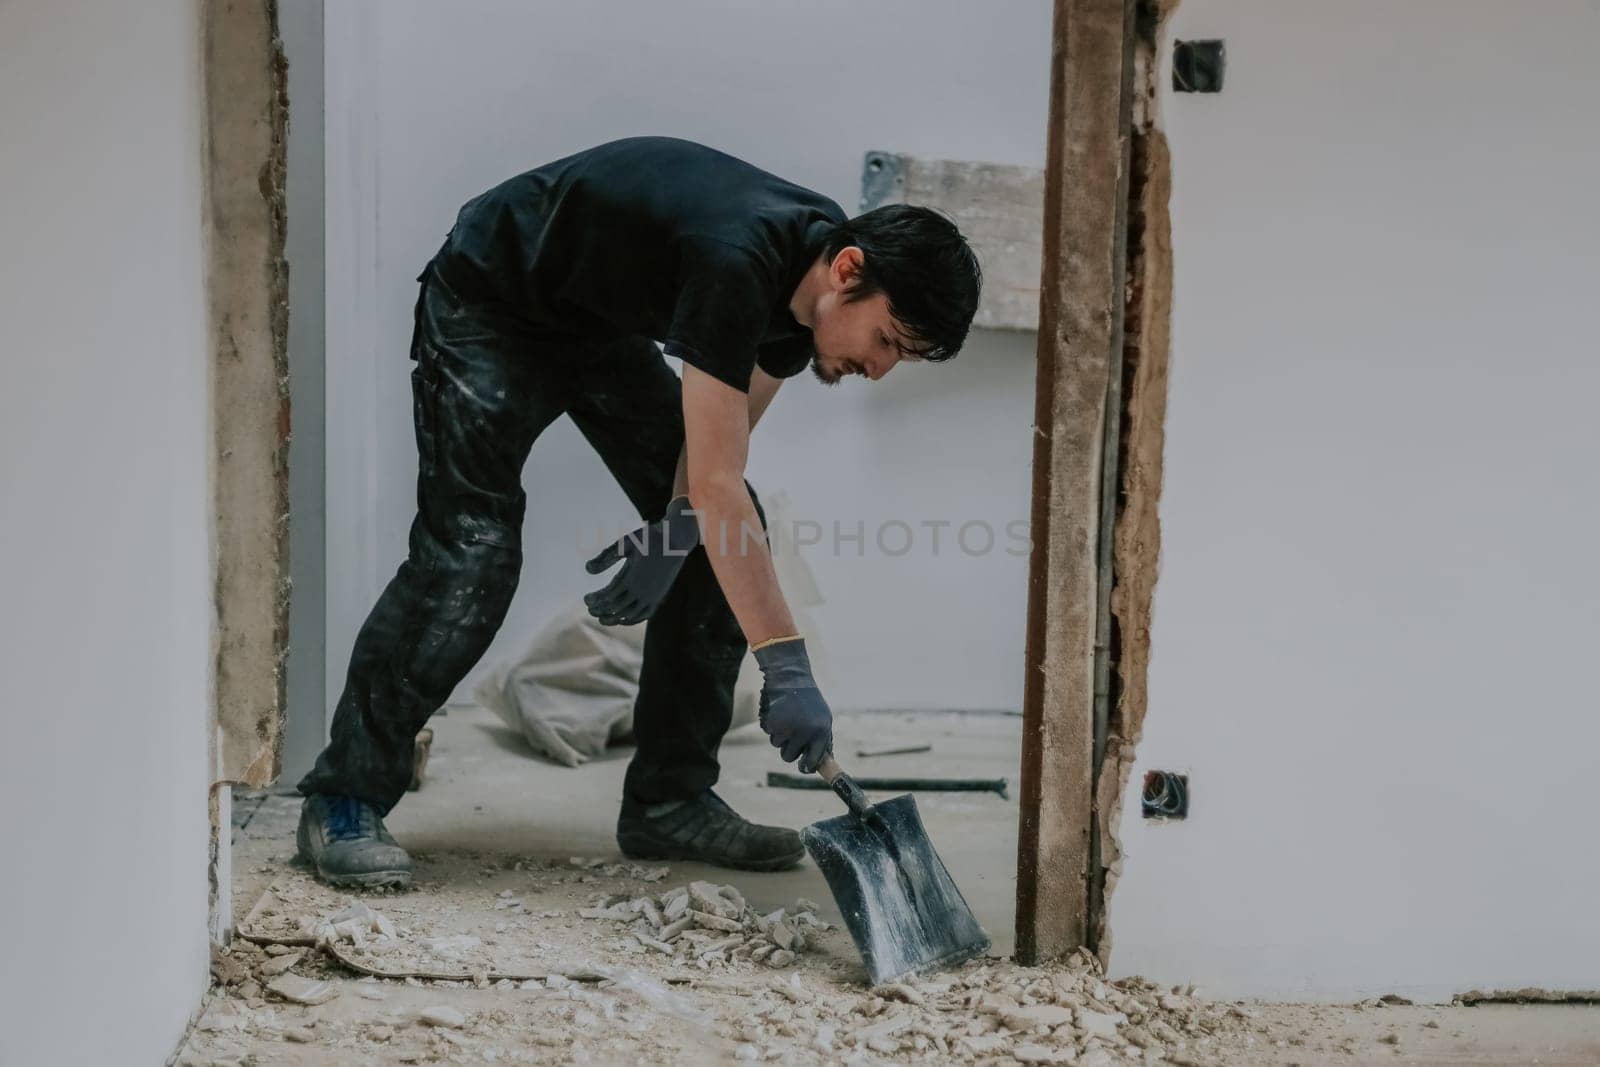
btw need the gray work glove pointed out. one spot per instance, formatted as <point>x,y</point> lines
<point>651,558</point>
<point>793,713</point>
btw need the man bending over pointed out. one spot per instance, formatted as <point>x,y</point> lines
<point>547,299</point>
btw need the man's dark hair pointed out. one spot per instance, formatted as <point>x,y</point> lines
<point>920,261</point>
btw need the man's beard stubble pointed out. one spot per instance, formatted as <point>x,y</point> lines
<point>820,374</point>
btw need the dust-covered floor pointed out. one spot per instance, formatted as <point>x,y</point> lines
<point>527,938</point>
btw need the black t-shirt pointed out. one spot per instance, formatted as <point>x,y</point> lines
<point>650,236</point>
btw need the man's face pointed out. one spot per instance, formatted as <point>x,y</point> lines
<point>855,336</point>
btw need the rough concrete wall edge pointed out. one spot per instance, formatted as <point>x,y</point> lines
<point>246,116</point>
<point>1137,536</point>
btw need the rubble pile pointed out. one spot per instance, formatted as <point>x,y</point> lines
<point>704,925</point>
<point>990,1012</point>
<point>598,865</point>
<point>367,938</point>
<point>357,923</point>
<point>493,973</point>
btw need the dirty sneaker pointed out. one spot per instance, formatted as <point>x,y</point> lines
<point>345,842</point>
<point>705,829</point>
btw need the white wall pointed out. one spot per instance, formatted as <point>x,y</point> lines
<point>429,104</point>
<point>1375,625</point>
<point>104,554</point>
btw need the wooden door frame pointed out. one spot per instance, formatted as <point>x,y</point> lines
<point>1099,412</point>
<point>1100,401</point>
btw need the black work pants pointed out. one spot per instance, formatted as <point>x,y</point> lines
<point>483,390</point>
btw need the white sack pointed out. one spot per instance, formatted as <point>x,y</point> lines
<point>572,692</point>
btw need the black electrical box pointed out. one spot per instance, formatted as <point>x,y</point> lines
<point>1197,66</point>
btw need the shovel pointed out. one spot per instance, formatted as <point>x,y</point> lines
<point>899,904</point>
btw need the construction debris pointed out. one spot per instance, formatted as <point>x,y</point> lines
<point>442,1015</point>
<point>989,1012</point>
<point>736,970</point>
<point>1529,995</point>
<point>225,968</point>
<point>704,924</point>
<point>277,965</point>
<point>356,924</point>
<point>292,987</point>
<point>678,973</point>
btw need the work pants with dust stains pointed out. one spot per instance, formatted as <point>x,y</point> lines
<point>483,390</point>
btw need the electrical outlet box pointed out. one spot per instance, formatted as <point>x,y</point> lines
<point>1166,795</point>
<point>1197,66</point>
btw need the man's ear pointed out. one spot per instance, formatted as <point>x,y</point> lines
<point>845,270</point>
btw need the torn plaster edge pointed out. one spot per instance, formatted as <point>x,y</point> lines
<point>1137,531</point>
<point>244,221</point>
<point>1111,458</point>
<point>219,868</point>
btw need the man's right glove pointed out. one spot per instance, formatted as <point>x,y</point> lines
<point>793,713</point>
<point>651,558</point>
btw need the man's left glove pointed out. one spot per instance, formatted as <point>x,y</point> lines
<point>651,558</point>
<point>795,717</point>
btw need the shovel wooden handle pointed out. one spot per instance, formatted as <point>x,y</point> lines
<point>842,784</point>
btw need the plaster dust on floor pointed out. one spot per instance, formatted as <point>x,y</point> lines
<point>527,938</point>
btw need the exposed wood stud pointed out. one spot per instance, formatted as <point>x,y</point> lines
<point>1081,307</point>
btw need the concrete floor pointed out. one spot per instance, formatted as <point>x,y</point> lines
<point>486,792</point>
<point>488,809</point>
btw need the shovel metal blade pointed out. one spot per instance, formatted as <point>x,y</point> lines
<point>899,903</point>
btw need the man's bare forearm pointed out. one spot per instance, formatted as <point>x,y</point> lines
<point>731,531</point>
<point>762,389</point>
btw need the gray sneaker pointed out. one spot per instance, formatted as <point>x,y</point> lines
<point>705,829</point>
<point>345,842</point>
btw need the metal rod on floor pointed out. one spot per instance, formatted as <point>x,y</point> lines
<point>781,780</point>
<point>864,753</point>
